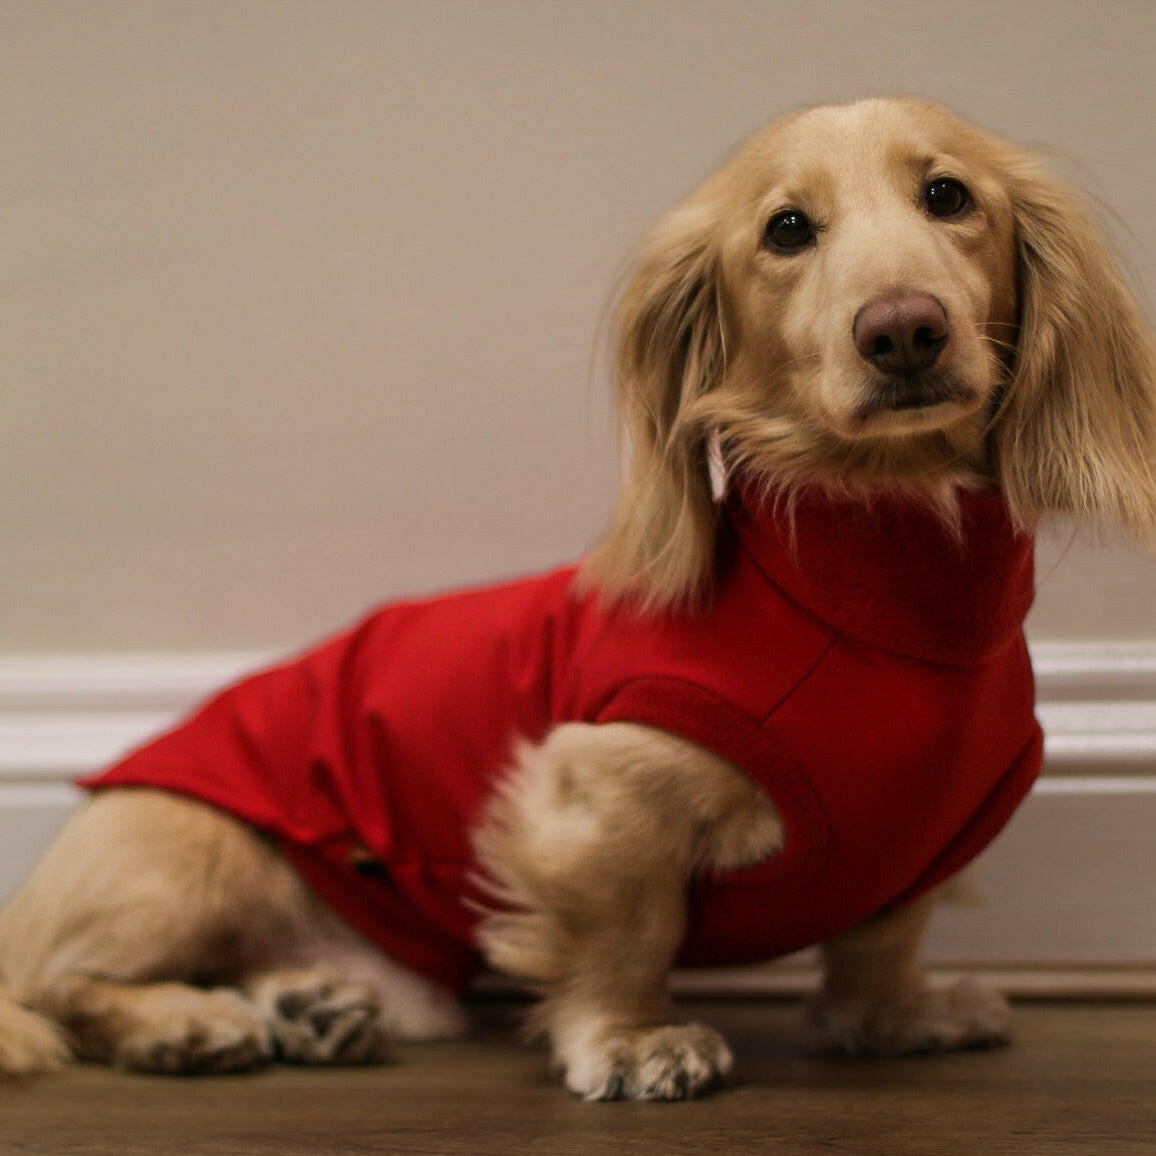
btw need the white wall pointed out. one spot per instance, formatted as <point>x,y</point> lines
<point>297,300</point>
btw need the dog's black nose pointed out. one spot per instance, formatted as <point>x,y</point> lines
<point>903,334</point>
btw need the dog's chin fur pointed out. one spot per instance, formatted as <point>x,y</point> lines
<point>920,455</point>
<point>721,346</point>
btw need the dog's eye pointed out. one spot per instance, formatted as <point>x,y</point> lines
<point>788,231</point>
<point>946,197</point>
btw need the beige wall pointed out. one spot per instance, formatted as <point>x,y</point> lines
<point>297,299</point>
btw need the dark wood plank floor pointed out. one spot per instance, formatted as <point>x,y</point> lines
<point>1081,1079</point>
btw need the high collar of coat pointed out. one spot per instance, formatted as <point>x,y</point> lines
<point>892,573</point>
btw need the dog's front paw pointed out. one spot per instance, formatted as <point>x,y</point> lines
<point>673,1062</point>
<point>316,1018</point>
<point>968,1014</point>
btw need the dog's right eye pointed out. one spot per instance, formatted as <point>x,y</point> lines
<point>946,197</point>
<point>788,231</point>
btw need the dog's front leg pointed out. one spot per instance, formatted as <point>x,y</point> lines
<point>876,1000</point>
<point>590,844</point>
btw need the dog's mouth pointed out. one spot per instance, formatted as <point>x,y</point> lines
<point>911,402</point>
<point>897,393</point>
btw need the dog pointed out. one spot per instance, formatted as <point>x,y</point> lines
<point>783,702</point>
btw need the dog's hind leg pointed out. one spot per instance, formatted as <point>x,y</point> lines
<point>300,1015</point>
<point>146,901</point>
<point>589,845</point>
<point>159,1027</point>
<point>144,920</point>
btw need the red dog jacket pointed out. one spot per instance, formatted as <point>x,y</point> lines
<point>865,666</point>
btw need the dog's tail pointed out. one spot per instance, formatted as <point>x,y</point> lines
<point>29,1042</point>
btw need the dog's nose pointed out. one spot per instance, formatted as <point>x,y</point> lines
<point>903,334</point>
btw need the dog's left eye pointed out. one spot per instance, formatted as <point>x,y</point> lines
<point>788,231</point>
<point>946,197</point>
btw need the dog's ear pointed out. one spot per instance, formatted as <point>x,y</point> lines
<point>670,351</point>
<point>1076,432</point>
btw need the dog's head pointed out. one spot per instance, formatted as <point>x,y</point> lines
<point>873,296</point>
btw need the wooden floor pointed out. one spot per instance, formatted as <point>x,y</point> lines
<point>1080,1079</point>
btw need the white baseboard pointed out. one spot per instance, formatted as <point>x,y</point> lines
<point>1097,704</point>
<point>63,715</point>
<point>1069,889</point>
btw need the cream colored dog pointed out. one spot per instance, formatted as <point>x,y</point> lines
<point>160,934</point>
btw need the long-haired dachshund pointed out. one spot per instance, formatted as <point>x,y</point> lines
<point>784,700</point>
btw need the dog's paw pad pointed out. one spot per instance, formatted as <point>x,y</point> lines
<point>968,1014</point>
<point>316,1018</point>
<point>674,1062</point>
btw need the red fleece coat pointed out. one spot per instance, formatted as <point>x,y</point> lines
<point>866,668</point>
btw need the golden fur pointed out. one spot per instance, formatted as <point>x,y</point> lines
<point>160,934</point>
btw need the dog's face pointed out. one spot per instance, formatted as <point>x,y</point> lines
<point>866,297</point>
<point>868,253</point>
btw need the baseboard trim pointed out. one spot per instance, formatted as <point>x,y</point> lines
<point>1097,703</point>
<point>64,715</point>
<point>118,682</point>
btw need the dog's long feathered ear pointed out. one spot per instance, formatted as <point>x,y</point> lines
<point>670,351</point>
<point>1077,428</point>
